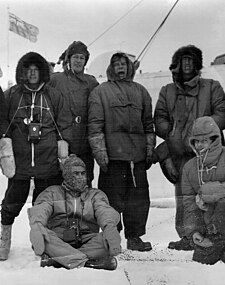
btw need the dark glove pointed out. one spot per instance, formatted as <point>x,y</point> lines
<point>38,236</point>
<point>149,157</point>
<point>169,170</point>
<point>112,239</point>
<point>150,144</point>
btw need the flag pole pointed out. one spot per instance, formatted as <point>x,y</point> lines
<point>7,44</point>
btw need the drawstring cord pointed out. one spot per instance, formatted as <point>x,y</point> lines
<point>132,173</point>
<point>201,168</point>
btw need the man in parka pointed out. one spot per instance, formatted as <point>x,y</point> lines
<point>178,105</point>
<point>65,222</point>
<point>203,188</point>
<point>75,87</point>
<point>122,139</point>
<point>36,137</point>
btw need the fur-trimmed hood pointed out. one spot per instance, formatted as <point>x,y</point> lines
<point>28,59</point>
<point>130,68</point>
<point>187,50</point>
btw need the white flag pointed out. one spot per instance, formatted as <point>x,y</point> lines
<point>22,28</point>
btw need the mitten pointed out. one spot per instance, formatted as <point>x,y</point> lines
<point>112,239</point>
<point>98,147</point>
<point>102,160</point>
<point>63,150</point>
<point>201,204</point>
<point>7,160</point>
<point>200,240</point>
<point>38,236</point>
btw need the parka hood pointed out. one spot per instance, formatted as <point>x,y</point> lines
<point>205,127</point>
<point>28,59</point>
<point>112,76</point>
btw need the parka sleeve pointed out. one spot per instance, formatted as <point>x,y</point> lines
<point>42,209</point>
<point>62,115</point>
<point>104,213</point>
<point>147,112</point>
<point>193,216</point>
<point>218,104</point>
<point>96,117</point>
<point>161,115</point>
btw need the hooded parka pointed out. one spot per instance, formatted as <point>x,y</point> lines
<point>43,106</point>
<point>120,122</point>
<point>122,111</point>
<point>204,179</point>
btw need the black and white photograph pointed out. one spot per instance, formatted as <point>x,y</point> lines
<point>112,142</point>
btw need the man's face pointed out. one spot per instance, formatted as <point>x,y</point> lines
<point>79,180</point>
<point>33,74</point>
<point>77,62</point>
<point>120,67</point>
<point>187,64</point>
<point>202,145</point>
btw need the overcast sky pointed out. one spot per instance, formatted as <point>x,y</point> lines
<point>60,22</point>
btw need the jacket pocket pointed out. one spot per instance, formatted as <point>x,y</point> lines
<point>126,117</point>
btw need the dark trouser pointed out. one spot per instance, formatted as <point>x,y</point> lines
<point>132,202</point>
<point>17,193</point>
<point>89,162</point>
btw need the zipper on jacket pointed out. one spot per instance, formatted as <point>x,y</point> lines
<point>75,207</point>
<point>31,119</point>
<point>32,155</point>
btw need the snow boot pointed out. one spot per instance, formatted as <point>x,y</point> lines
<point>210,255</point>
<point>106,263</point>
<point>183,244</point>
<point>138,245</point>
<point>5,241</point>
<point>47,261</point>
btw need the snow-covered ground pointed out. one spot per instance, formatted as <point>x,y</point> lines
<point>158,267</point>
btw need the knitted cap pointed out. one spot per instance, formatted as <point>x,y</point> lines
<point>71,161</point>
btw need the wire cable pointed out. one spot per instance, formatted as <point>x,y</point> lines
<point>144,51</point>
<point>117,21</point>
